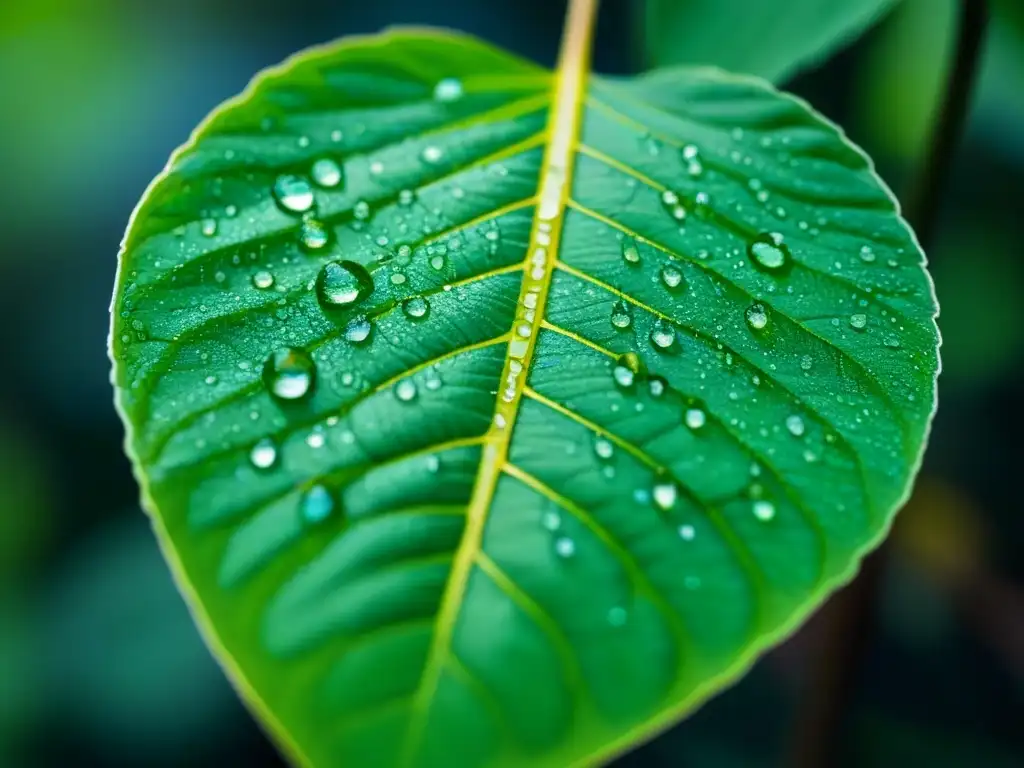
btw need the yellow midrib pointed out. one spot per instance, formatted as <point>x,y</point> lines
<point>563,131</point>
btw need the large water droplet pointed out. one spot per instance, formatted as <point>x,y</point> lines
<point>769,251</point>
<point>858,321</point>
<point>327,173</point>
<point>317,504</point>
<point>405,390</point>
<point>663,334</point>
<point>757,316</point>
<point>343,284</point>
<point>622,315</point>
<point>264,454</point>
<point>448,89</point>
<point>415,307</point>
<point>671,276</point>
<point>695,418</point>
<point>795,425</point>
<point>358,329</point>
<point>289,373</point>
<point>293,193</point>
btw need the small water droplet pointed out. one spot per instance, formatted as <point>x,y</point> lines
<point>208,227</point>
<point>326,173</point>
<point>757,316</point>
<point>626,369</point>
<point>603,448</point>
<point>671,276</point>
<point>663,334</point>
<point>437,261</point>
<point>293,193</point>
<point>358,329</point>
<point>670,202</point>
<point>630,253</point>
<point>432,154</point>
<point>263,280</point>
<point>343,284</point>
<point>551,520</point>
<point>448,89</point>
<point>565,547</point>
<point>313,235</point>
<point>415,307</point>
<point>795,425</point>
<point>264,454</point>
<point>617,616</point>
<point>687,532</point>
<point>806,362</point>
<point>405,390</point>
<point>289,373</point>
<point>763,510</point>
<point>866,254</point>
<point>664,494</point>
<point>891,340</point>
<point>769,251</point>
<point>657,386</point>
<point>858,321</point>
<point>695,418</point>
<point>317,504</point>
<point>622,315</point>
<point>361,211</point>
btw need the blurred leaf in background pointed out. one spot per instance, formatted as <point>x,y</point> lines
<point>767,38</point>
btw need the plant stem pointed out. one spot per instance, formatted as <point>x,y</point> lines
<point>849,618</point>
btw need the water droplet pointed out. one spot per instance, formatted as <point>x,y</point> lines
<point>405,390</point>
<point>603,448</point>
<point>626,369</point>
<point>433,463</point>
<point>293,193</point>
<point>448,89</point>
<point>343,284</point>
<point>670,202</point>
<point>415,307</point>
<point>406,197</point>
<point>361,210</point>
<point>687,532</point>
<point>806,362</point>
<point>891,340</point>
<point>313,235</point>
<point>664,494</point>
<point>358,329</point>
<point>263,280</point>
<point>657,386</point>
<point>289,373</point>
<point>551,520</point>
<point>317,504</point>
<point>663,335</point>
<point>208,227</point>
<point>264,454</point>
<point>617,616</point>
<point>630,253</point>
<point>437,261</point>
<point>858,321</point>
<point>763,510</point>
<point>695,418</point>
<point>622,315</point>
<point>565,547</point>
<point>432,154</point>
<point>795,425</point>
<point>866,254</point>
<point>769,251</point>
<point>326,173</point>
<point>671,276</point>
<point>757,316</point>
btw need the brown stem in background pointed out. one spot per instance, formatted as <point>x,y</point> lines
<point>850,616</point>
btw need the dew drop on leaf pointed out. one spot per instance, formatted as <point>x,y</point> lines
<point>208,227</point>
<point>622,315</point>
<point>657,385</point>
<point>763,510</point>
<point>769,251</point>
<point>627,367</point>
<point>289,374</point>
<point>891,340</point>
<point>264,454</point>
<point>671,276</point>
<point>617,616</point>
<point>448,89</point>
<point>795,425</point>
<point>405,390</point>
<point>663,334</point>
<point>630,253</point>
<point>695,418</point>
<point>670,202</point>
<point>293,193</point>
<point>687,532</point>
<point>757,317</point>
<point>565,547</point>
<point>313,235</point>
<point>327,173</point>
<point>603,448</point>
<point>263,280</point>
<point>317,505</point>
<point>343,284</point>
<point>664,494</point>
<point>858,321</point>
<point>358,329</point>
<point>432,154</point>
<point>415,307</point>
<point>866,254</point>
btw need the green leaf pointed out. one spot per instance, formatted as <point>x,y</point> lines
<point>488,415</point>
<point>768,38</point>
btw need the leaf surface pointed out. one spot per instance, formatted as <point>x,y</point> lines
<point>488,415</point>
<point>768,38</point>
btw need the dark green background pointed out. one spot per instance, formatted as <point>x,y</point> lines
<point>99,664</point>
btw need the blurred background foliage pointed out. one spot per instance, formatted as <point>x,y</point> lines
<point>99,662</point>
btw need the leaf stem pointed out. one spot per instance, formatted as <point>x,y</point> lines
<point>848,621</point>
